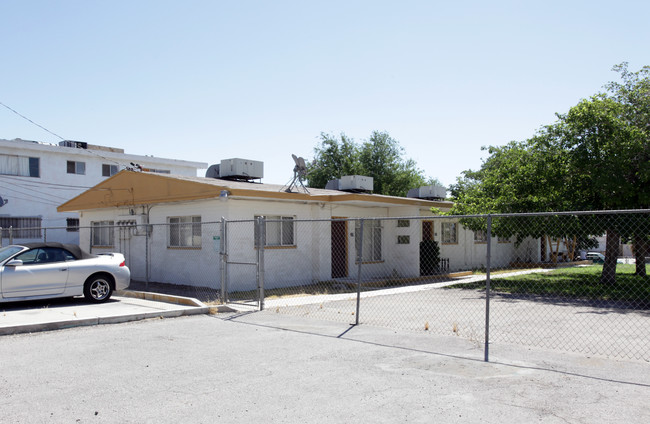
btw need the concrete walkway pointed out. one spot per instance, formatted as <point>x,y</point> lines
<point>321,298</point>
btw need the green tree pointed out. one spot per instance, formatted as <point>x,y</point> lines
<point>380,157</point>
<point>633,92</point>
<point>521,177</point>
<point>518,177</point>
<point>333,158</point>
<point>594,157</point>
<point>604,147</point>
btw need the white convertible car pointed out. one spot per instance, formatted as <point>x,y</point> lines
<point>46,270</point>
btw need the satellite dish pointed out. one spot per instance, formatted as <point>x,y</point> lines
<point>301,167</point>
<point>299,174</point>
<point>3,201</point>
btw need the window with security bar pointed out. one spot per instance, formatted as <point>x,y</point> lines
<point>72,225</point>
<point>21,227</point>
<point>371,243</point>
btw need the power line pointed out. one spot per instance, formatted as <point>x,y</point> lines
<point>53,185</point>
<point>34,199</point>
<point>56,135</point>
<point>15,187</point>
<point>26,118</point>
<point>56,198</point>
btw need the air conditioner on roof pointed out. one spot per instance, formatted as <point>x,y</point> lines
<point>241,168</point>
<point>428,192</point>
<point>356,183</point>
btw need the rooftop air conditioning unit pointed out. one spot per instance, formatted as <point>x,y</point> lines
<point>356,183</point>
<point>73,144</point>
<point>428,192</point>
<point>332,185</point>
<point>241,168</point>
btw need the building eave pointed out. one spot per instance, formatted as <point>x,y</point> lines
<point>128,188</point>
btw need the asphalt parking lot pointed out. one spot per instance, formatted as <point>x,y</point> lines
<point>54,314</point>
<point>269,367</point>
<point>252,366</point>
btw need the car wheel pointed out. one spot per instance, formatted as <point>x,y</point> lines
<point>98,288</point>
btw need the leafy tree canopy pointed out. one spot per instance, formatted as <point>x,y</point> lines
<point>594,157</point>
<point>379,157</point>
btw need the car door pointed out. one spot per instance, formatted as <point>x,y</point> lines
<point>44,272</point>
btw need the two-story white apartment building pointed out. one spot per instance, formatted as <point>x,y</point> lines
<point>36,177</point>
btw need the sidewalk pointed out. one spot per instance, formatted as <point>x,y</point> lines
<point>321,298</point>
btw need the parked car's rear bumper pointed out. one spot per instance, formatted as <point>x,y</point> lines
<point>122,278</point>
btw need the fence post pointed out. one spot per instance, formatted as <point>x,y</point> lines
<point>261,231</point>
<point>223,253</point>
<point>359,242</point>
<point>487,288</point>
<point>1,236</point>
<point>11,235</point>
<point>147,263</point>
<point>44,235</point>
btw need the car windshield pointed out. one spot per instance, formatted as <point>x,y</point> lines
<point>9,251</point>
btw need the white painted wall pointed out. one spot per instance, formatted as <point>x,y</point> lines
<point>39,197</point>
<point>309,261</point>
<point>469,255</point>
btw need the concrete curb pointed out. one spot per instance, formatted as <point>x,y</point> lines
<point>157,297</point>
<point>179,300</point>
<point>188,306</point>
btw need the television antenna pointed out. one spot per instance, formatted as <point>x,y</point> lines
<point>299,175</point>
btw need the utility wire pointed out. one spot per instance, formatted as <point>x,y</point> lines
<point>34,192</point>
<point>55,199</point>
<point>62,139</point>
<point>18,188</point>
<point>26,118</point>
<point>36,183</point>
<point>13,196</point>
<point>35,199</point>
<point>56,135</point>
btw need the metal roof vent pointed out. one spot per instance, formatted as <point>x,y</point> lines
<point>212,172</point>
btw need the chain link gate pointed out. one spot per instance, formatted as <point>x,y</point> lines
<point>238,262</point>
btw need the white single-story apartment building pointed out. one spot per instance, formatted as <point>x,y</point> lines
<point>173,230</point>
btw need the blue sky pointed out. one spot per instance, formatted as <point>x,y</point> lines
<point>211,80</point>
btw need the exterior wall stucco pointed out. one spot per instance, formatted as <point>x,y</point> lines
<point>308,261</point>
<point>467,254</point>
<point>40,196</point>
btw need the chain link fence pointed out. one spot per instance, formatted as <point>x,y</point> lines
<point>568,281</point>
